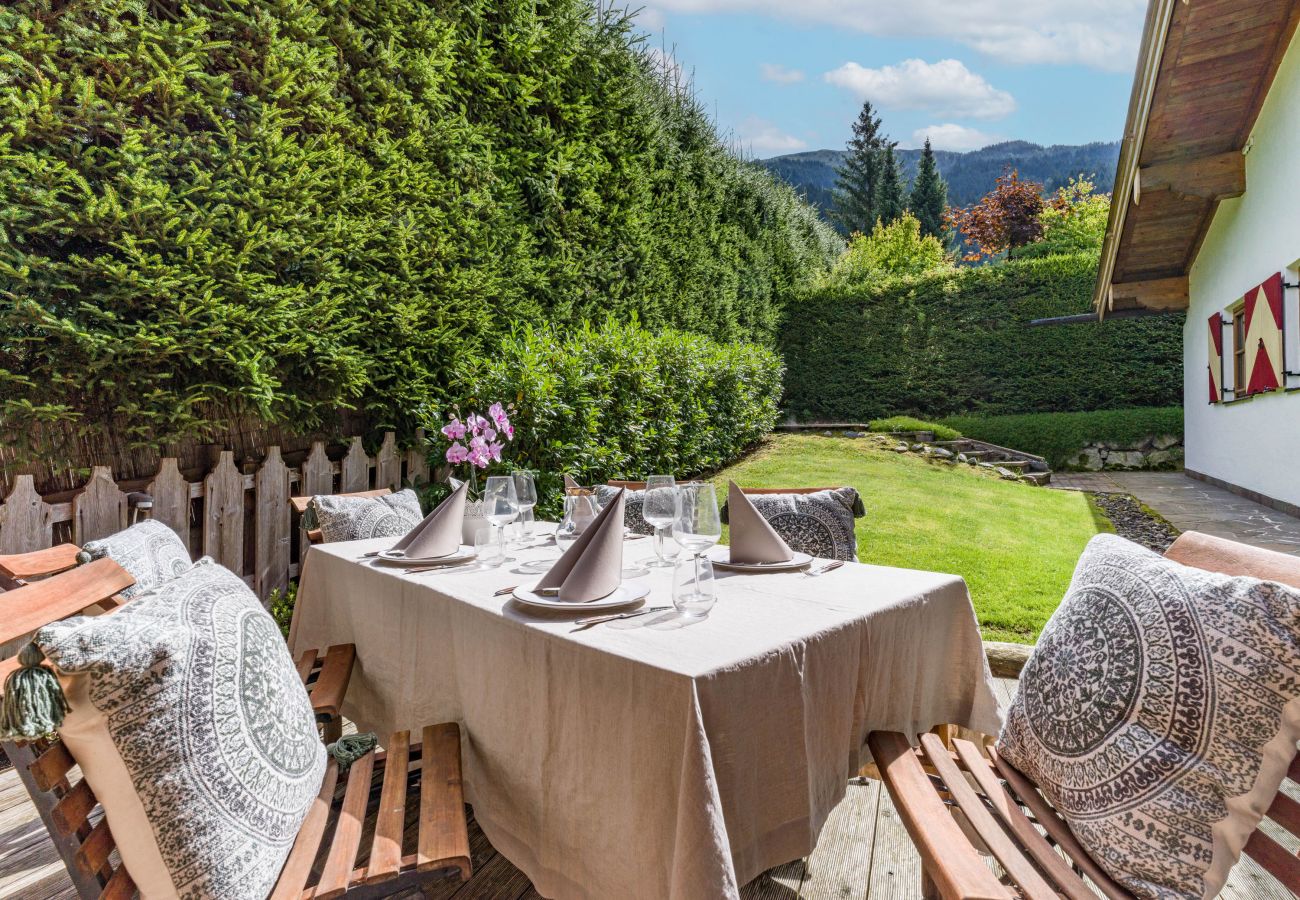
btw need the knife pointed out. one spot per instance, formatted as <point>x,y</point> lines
<point>596,620</point>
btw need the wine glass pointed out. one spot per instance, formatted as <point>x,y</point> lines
<point>694,588</point>
<point>658,508</point>
<point>526,493</point>
<point>696,523</point>
<point>500,506</point>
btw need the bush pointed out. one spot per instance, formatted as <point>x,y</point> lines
<point>213,209</point>
<point>621,401</point>
<point>1060,437</point>
<point>960,342</point>
<point>893,249</point>
<point>907,423</point>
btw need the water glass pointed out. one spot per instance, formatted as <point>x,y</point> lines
<point>486,549</point>
<point>697,525</point>
<point>658,509</point>
<point>526,494</point>
<point>694,587</point>
<point>580,510</point>
<point>500,506</point>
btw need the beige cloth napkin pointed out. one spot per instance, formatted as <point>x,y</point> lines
<point>571,484</point>
<point>439,533</point>
<point>753,540</point>
<point>593,567</point>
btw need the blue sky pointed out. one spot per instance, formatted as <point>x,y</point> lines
<point>790,75</point>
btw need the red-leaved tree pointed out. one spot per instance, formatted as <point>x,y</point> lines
<point>1007,218</point>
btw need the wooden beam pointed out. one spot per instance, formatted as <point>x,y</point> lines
<point>1215,177</point>
<point>1159,293</point>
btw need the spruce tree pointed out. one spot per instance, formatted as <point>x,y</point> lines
<point>857,185</point>
<point>929,200</point>
<point>892,201</point>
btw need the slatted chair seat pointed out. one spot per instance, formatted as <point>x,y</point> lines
<point>16,569</point>
<point>300,505</point>
<point>354,841</point>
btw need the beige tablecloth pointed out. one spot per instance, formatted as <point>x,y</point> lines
<point>649,759</point>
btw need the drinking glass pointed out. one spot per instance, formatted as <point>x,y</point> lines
<point>694,590</point>
<point>696,523</point>
<point>580,509</point>
<point>658,509</point>
<point>485,546</point>
<point>500,506</point>
<point>526,493</point>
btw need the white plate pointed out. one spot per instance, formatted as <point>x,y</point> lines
<point>463,555</point>
<point>538,566</point>
<point>721,557</point>
<point>628,592</point>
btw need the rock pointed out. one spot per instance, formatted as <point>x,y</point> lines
<point>985,465</point>
<point>1089,459</point>
<point>853,434</point>
<point>900,448</point>
<point>962,457</point>
<point>918,448</point>
<point>1007,474</point>
<point>939,452</point>
<point>828,434</point>
<point>1135,523</point>
<point>1125,459</point>
<point>1165,441</point>
<point>1006,660</point>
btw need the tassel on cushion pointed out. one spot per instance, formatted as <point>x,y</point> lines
<point>33,705</point>
<point>350,748</point>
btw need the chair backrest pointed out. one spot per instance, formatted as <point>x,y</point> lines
<point>68,808</point>
<point>1214,554</point>
<point>300,505</point>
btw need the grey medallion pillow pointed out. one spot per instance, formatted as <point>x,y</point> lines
<point>194,731</point>
<point>361,518</point>
<point>633,505</point>
<point>149,550</point>
<point>1159,713</point>
<point>819,524</point>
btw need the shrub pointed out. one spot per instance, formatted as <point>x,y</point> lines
<point>894,249</point>
<point>907,423</point>
<point>1060,437</point>
<point>621,401</point>
<point>960,342</point>
<point>211,209</point>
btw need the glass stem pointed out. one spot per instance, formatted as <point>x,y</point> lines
<point>501,542</point>
<point>697,574</point>
<point>659,543</point>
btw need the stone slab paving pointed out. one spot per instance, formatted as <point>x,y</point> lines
<point>1191,505</point>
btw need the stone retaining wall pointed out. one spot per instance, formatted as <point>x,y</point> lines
<point>1156,452</point>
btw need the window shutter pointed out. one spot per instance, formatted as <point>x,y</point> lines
<point>1216,358</point>
<point>1264,354</point>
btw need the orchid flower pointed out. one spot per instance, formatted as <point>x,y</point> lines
<point>494,450</point>
<point>457,453</point>
<point>498,414</point>
<point>454,430</point>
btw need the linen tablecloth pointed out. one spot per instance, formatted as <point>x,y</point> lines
<point>646,758</point>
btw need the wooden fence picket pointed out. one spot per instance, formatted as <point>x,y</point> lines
<point>317,473</point>
<point>355,475</point>
<point>26,521</point>
<point>271,556</point>
<point>417,459</point>
<point>388,465</point>
<point>100,509</point>
<point>171,499</point>
<point>223,514</point>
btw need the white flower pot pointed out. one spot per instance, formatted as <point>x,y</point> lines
<point>473,521</point>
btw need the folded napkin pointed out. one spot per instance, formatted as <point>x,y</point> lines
<point>753,540</point>
<point>570,484</point>
<point>593,567</point>
<point>439,533</point>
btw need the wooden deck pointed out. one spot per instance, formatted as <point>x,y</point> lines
<point>864,854</point>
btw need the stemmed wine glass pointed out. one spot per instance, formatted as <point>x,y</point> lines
<point>659,509</point>
<point>526,494</point>
<point>696,524</point>
<point>500,506</point>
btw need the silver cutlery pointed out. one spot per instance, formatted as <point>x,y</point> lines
<point>596,620</point>
<point>822,570</point>
<point>541,592</point>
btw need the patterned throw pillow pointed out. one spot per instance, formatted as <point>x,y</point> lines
<point>633,504</point>
<point>195,733</point>
<point>360,518</point>
<point>1159,713</point>
<point>149,550</point>
<point>819,524</point>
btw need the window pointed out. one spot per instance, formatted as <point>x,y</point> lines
<point>1239,351</point>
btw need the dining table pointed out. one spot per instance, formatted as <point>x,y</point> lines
<point>657,756</point>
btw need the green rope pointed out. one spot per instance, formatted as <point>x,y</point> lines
<point>33,704</point>
<point>350,748</point>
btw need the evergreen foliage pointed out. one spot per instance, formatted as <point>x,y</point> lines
<point>893,199</point>
<point>929,198</point>
<point>898,248</point>
<point>858,180</point>
<point>211,209</point>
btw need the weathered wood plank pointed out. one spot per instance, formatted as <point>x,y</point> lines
<point>223,514</point>
<point>100,509</point>
<point>171,499</point>
<point>417,459</point>
<point>841,866</point>
<point>271,525</point>
<point>355,475</point>
<point>317,472</point>
<point>388,465</point>
<point>26,521</point>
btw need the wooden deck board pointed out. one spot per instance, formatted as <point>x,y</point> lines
<point>864,854</point>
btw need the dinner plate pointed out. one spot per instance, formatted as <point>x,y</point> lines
<point>721,557</point>
<point>628,592</point>
<point>463,555</point>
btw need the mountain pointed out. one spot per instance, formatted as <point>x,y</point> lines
<point>970,175</point>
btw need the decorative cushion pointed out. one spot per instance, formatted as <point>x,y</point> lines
<point>360,518</point>
<point>194,731</point>
<point>819,524</point>
<point>1159,713</point>
<point>149,550</point>
<point>633,504</point>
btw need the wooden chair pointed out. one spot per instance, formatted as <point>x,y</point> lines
<point>17,569</point>
<point>370,801</point>
<point>300,505</point>
<point>640,486</point>
<point>1007,811</point>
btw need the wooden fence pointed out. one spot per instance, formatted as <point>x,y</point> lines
<point>237,514</point>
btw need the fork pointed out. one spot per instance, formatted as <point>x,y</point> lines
<point>596,620</point>
<point>822,570</point>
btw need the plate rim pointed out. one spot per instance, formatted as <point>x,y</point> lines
<point>794,563</point>
<point>411,561</point>
<point>602,603</point>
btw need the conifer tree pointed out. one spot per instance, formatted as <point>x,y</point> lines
<point>893,200</point>
<point>929,199</point>
<point>857,187</point>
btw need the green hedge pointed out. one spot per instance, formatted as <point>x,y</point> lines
<point>623,402</point>
<point>280,209</point>
<point>1059,437</point>
<point>960,342</point>
<point>908,423</point>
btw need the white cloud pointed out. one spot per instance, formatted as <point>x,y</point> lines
<point>953,137</point>
<point>945,88</point>
<point>667,64</point>
<point>764,138</point>
<point>779,74</point>
<point>651,19</point>
<point>1100,34</point>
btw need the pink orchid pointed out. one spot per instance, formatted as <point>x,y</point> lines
<point>509,431</point>
<point>489,434</point>
<point>454,430</point>
<point>457,453</point>
<point>495,451</point>
<point>498,414</point>
<point>476,423</point>
<point>480,457</point>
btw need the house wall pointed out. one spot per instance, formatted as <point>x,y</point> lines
<point>1252,444</point>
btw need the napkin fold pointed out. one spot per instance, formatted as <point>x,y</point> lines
<point>570,484</point>
<point>439,533</point>
<point>593,567</point>
<point>753,540</point>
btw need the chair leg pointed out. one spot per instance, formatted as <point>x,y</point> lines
<point>929,891</point>
<point>332,730</point>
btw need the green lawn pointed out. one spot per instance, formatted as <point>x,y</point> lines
<point>1016,545</point>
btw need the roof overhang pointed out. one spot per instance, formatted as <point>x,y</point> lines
<point>1204,70</point>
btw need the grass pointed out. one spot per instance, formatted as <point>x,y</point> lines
<point>1016,545</point>
<point>907,423</point>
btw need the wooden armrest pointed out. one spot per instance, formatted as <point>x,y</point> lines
<point>332,673</point>
<point>39,563</point>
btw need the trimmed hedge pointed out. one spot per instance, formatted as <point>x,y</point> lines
<point>1060,437</point>
<point>907,423</point>
<point>959,342</point>
<point>620,401</point>
<point>213,209</point>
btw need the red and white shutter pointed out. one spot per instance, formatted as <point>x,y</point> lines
<point>1264,337</point>
<point>1216,358</point>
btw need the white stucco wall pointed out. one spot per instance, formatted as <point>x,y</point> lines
<point>1254,444</point>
